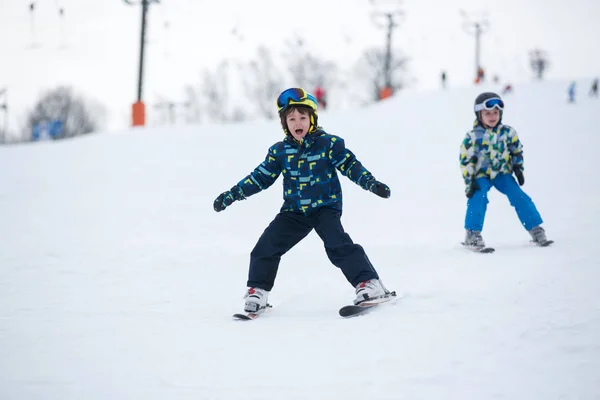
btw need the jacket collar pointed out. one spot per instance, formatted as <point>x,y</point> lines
<point>308,139</point>
<point>478,126</point>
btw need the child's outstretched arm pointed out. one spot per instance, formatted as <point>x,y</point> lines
<point>345,161</point>
<point>261,178</point>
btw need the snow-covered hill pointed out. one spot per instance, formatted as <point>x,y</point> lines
<point>118,280</point>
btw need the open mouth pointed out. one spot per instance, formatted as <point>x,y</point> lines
<point>298,131</point>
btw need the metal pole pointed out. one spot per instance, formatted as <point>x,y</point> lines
<point>61,14</point>
<point>476,28</point>
<point>388,51</point>
<point>142,45</point>
<point>32,23</point>
<point>477,48</point>
<point>138,109</point>
<point>390,25</point>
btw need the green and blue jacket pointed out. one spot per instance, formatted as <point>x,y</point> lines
<point>490,152</point>
<point>309,172</point>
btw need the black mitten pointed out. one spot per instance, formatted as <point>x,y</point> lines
<point>471,189</point>
<point>518,170</point>
<point>225,199</point>
<point>380,189</point>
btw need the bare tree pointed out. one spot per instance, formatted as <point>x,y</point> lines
<point>379,70</point>
<point>263,82</point>
<point>307,70</point>
<point>214,92</point>
<point>194,111</point>
<point>212,99</point>
<point>539,62</point>
<point>76,115</point>
<point>238,115</point>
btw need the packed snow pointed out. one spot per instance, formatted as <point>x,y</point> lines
<point>118,280</point>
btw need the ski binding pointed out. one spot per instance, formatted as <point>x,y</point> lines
<point>367,305</point>
<point>248,316</point>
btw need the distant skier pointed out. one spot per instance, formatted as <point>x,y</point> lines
<point>571,91</point>
<point>490,153</point>
<point>321,96</point>
<point>594,88</point>
<point>480,78</point>
<point>308,158</point>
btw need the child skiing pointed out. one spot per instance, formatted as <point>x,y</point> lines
<point>308,158</point>
<point>490,153</point>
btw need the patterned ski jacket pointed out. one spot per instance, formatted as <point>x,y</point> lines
<point>309,172</point>
<point>489,152</point>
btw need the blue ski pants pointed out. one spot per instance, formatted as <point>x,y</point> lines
<point>507,185</point>
<point>289,228</point>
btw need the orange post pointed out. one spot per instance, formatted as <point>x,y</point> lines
<point>385,92</point>
<point>138,113</point>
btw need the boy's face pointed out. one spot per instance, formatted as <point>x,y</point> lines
<point>298,124</point>
<point>490,118</point>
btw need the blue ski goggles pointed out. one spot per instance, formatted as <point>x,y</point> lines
<point>296,96</point>
<point>490,104</point>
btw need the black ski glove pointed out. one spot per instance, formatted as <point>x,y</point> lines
<point>471,189</point>
<point>518,171</point>
<point>380,189</point>
<point>225,199</point>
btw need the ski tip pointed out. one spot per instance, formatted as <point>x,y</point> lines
<point>483,250</point>
<point>546,243</point>
<point>353,310</point>
<point>243,317</point>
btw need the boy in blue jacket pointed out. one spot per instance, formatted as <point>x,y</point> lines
<point>489,155</point>
<point>308,158</point>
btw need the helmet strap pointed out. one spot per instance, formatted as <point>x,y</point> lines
<point>313,122</point>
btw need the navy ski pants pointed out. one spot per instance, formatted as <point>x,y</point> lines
<point>289,228</point>
<point>506,184</point>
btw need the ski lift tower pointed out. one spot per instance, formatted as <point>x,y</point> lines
<point>138,108</point>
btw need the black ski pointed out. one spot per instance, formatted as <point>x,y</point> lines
<point>248,316</point>
<point>475,249</point>
<point>245,316</point>
<point>359,309</point>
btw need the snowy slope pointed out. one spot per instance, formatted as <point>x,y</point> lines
<point>118,280</point>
